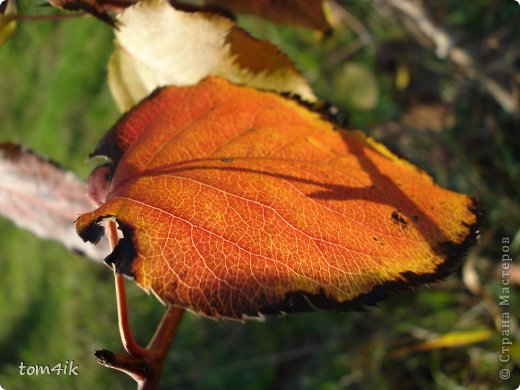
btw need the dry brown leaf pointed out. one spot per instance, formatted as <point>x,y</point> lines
<point>300,12</point>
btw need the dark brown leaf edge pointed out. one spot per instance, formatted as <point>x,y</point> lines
<point>452,252</point>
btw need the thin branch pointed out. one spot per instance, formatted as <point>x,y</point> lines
<point>352,22</point>
<point>364,36</point>
<point>129,343</point>
<point>442,40</point>
<point>34,18</point>
<point>445,47</point>
<point>344,53</point>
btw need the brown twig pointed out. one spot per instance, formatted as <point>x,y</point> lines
<point>349,20</point>
<point>144,365</point>
<point>34,18</point>
<point>352,22</point>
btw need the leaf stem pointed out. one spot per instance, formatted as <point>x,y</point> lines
<point>131,346</point>
<point>160,345</point>
<point>144,365</point>
<point>167,329</point>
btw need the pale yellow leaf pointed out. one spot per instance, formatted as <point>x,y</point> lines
<point>159,45</point>
<point>127,83</point>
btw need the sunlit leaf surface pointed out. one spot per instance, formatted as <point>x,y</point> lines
<point>235,202</point>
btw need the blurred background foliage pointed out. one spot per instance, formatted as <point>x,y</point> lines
<point>384,78</point>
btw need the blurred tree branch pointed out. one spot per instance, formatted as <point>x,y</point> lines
<point>342,16</point>
<point>418,21</point>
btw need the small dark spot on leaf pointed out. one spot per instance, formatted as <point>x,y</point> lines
<point>398,218</point>
<point>415,218</point>
<point>227,159</point>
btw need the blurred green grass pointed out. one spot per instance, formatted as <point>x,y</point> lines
<point>56,306</point>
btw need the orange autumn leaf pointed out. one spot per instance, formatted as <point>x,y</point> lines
<point>235,203</point>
